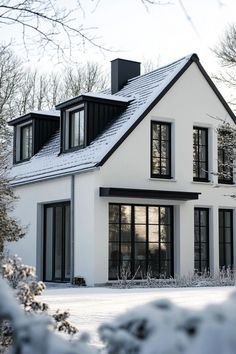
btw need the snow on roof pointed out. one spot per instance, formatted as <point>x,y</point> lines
<point>143,89</point>
<point>108,97</point>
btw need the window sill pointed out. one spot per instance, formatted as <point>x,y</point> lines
<point>203,182</point>
<point>226,185</point>
<point>155,179</point>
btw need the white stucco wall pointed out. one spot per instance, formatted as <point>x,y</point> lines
<point>189,102</point>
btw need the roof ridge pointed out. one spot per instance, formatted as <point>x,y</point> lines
<point>187,57</point>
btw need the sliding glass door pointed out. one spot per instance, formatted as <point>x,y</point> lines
<point>57,258</point>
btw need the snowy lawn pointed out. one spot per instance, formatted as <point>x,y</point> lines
<point>90,307</point>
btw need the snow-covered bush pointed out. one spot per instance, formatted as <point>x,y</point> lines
<point>163,328</point>
<point>32,333</point>
<point>225,277</point>
<point>23,280</point>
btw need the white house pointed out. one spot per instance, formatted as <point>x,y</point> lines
<point>123,179</point>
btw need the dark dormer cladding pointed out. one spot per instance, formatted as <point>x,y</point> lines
<point>31,132</point>
<point>88,114</point>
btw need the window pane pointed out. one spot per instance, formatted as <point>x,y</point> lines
<point>140,215</point>
<point>228,252</point>
<point>153,215</point>
<point>81,134</point>
<point>165,216</point>
<point>155,148</point>
<point>125,233</point>
<point>140,233</point>
<point>125,251</point>
<point>114,232</point>
<point>165,251</point>
<point>156,131</point>
<point>153,233</point>
<point>125,214</point>
<point>114,252</point>
<point>140,250</point>
<point>165,233</point>
<point>114,213</point>
<point>26,142</point>
<point>227,218</point>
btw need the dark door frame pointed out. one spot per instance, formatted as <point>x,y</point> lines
<point>54,205</point>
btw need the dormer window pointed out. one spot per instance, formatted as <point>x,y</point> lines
<point>76,129</point>
<point>26,142</point>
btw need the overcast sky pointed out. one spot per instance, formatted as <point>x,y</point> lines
<point>162,33</point>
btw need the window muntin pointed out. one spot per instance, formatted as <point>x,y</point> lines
<point>201,239</point>
<point>76,129</point>
<point>160,150</point>
<point>226,238</point>
<point>26,142</point>
<point>200,154</point>
<point>140,240</point>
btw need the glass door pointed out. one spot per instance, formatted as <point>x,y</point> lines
<point>57,255</point>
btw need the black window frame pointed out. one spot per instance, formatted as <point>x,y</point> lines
<point>161,175</point>
<point>224,243</point>
<point>198,240</point>
<point>45,207</point>
<point>28,125</point>
<point>67,128</point>
<point>198,160</point>
<point>133,241</point>
<point>223,177</point>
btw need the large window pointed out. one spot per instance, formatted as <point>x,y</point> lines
<point>76,129</point>
<point>161,150</point>
<point>57,253</point>
<point>226,237</point>
<point>200,154</point>
<point>140,240</point>
<point>26,142</point>
<point>201,239</point>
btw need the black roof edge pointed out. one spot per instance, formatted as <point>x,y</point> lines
<point>147,193</point>
<point>193,59</point>
<point>31,115</point>
<point>83,98</point>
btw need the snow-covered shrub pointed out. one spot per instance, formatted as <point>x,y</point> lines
<point>23,280</point>
<point>32,334</point>
<point>225,277</point>
<point>163,328</point>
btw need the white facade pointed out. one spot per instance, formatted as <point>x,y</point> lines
<point>189,102</point>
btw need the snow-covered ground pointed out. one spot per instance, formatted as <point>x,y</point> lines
<point>90,307</point>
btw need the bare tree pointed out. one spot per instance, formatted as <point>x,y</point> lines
<point>225,51</point>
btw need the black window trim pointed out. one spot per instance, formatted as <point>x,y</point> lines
<point>65,136</point>
<point>160,176</point>
<point>207,210</point>
<point>19,143</point>
<point>133,205</point>
<point>223,179</point>
<point>223,210</point>
<point>201,179</point>
<point>62,204</point>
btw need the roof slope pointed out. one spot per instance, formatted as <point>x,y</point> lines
<point>145,91</point>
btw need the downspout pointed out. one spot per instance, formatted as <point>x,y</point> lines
<point>72,226</point>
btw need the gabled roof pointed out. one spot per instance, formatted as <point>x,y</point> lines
<point>143,92</point>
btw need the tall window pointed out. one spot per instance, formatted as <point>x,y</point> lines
<point>200,154</point>
<point>57,253</point>
<point>225,157</point>
<point>76,129</point>
<point>161,150</point>
<point>201,239</point>
<point>140,240</point>
<point>226,237</point>
<point>26,142</point>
